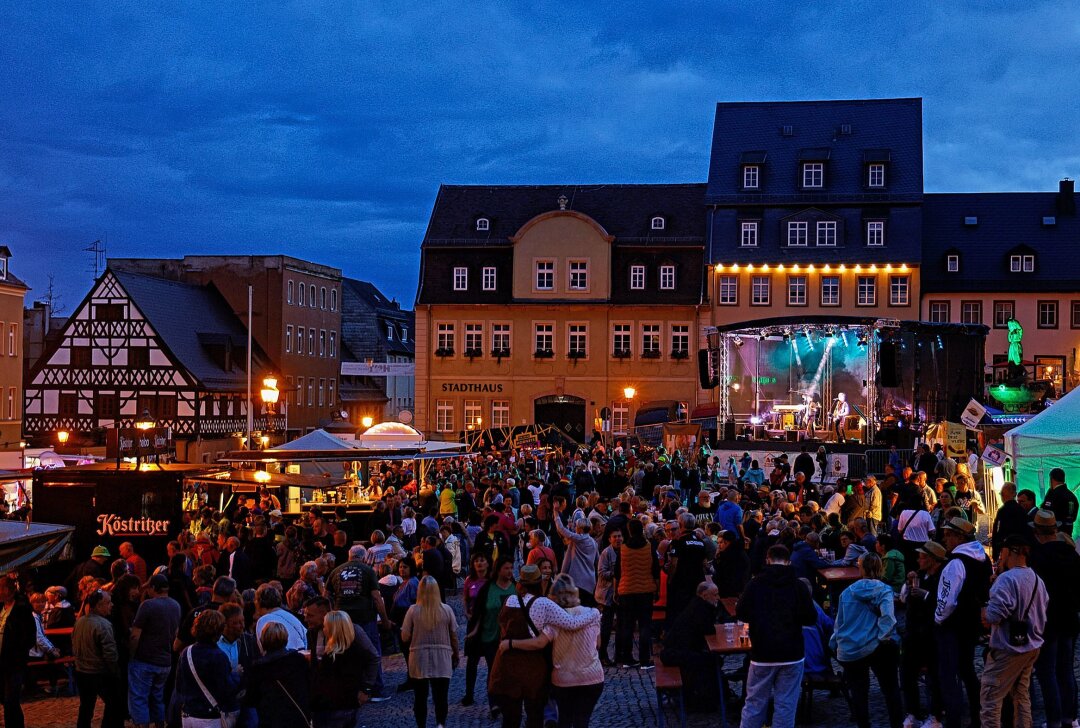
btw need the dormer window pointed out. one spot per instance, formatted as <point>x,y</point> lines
<point>483,224</point>
<point>813,175</point>
<point>875,175</point>
<point>1021,263</point>
<point>461,279</point>
<point>751,177</point>
<point>952,263</point>
<point>658,223</point>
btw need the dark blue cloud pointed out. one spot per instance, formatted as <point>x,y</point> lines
<point>323,129</point>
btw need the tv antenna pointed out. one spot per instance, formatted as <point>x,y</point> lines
<point>97,248</point>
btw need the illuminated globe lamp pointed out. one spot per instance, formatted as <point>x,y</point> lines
<point>367,421</point>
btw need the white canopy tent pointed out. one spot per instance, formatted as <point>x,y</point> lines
<point>1050,439</point>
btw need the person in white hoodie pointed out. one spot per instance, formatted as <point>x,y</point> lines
<point>962,591</point>
<point>1016,616</point>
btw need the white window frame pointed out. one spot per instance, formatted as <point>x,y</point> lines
<point>658,223</point>
<point>938,312</point>
<point>622,338</point>
<point>545,268</point>
<point>300,340</point>
<point>834,283</point>
<point>971,312</point>
<point>761,290</point>
<point>1048,307</point>
<point>322,297</point>
<point>474,336</point>
<point>444,415</point>
<point>311,296</point>
<point>461,278</point>
<point>875,175</point>
<point>813,175</point>
<point>797,290</point>
<point>302,291</point>
<point>637,278</point>
<point>331,386</point>
<point>727,291</point>
<point>322,342</point>
<point>999,307</point>
<point>1021,263</point>
<point>472,409</point>
<point>488,278</point>
<point>866,291</point>
<point>875,233</point>
<point>311,341</point>
<point>544,333</point>
<point>798,233</point>
<point>333,344</point>
<point>748,234</point>
<point>680,338</point>
<point>446,336</point>
<point>577,338</point>
<point>577,275</point>
<point>952,263</point>
<point>667,278</point>
<point>500,334</point>
<point>620,417</point>
<point>825,234</point>
<point>751,177</point>
<point>288,338</point>
<point>500,413</point>
<point>333,299</point>
<point>483,224</point>
<point>389,331</point>
<point>899,290</point>
<point>651,335</point>
<point>290,291</point>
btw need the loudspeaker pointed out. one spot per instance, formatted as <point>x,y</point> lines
<point>705,373</point>
<point>889,364</point>
<point>729,430</point>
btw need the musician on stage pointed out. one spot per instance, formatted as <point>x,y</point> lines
<point>809,416</point>
<point>841,409</point>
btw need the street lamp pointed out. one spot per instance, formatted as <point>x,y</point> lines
<point>269,395</point>
<point>629,393</point>
<point>145,421</point>
<point>62,436</point>
<point>367,421</point>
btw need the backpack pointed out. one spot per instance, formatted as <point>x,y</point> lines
<point>288,562</point>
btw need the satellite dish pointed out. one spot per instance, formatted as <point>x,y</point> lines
<point>405,416</point>
<point>344,415</point>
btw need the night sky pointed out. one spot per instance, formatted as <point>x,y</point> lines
<point>323,129</point>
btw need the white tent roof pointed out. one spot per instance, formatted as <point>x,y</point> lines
<point>1056,429</point>
<point>318,440</point>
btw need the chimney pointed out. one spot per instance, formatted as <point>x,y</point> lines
<point>1066,198</point>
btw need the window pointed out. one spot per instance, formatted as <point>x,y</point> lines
<point>728,291</point>
<point>680,339</point>
<point>971,312</point>
<point>12,338</point>
<point>68,405</point>
<point>11,403</point>
<point>749,235</point>
<point>621,339</point>
<point>796,291</point>
<point>544,337</point>
<point>578,339</point>
<point>108,311</point>
<point>289,292</point>
<point>826,233</point>
<point>107,406</point>
<point>389,332</point>
<point>875,233</point>
<point>81,357</point>
<point>483,224</point>
<point>474,339</point>
<point>333,344</point>
<point>751,176</point>
<point>938,312</point>
<point>952,263</point>
<point>461,278</point>
<point>139,357</point>
<point>444,416</point>
<point>830,290</point>
<point>796,234</point>
<point>404,333</point>
<point>488,278</point>
<point>1048,314</point>
<point>1021,263</point>
<point>760,289</point>
<point>579,275</point>
<point>667,278</point>
<point>545,275</point>
<point>322,342</point>
<point>473,413</point>
<point>311,342</point>
<point>302,298</point>
<point>1074,315</point>
<point>620,417</point>
<point>637,278</point>
<point>500,413</point>
<point>288,338</point>
<point>899,291</point>
<point>445,337</point>
<point>866,291</point>
<point>299,391</point>
<point>322,298</point>
<point>330,392</point>
<point>813,174</point>
<point>500,338</point>
<point>658,223</point>
<point>875,175</point>
<point>322,392</point>
<point>650,340</point>
<point>311,392</point>
<point>333,299</point>
<point>311,296</point>
<point>1003,311</point>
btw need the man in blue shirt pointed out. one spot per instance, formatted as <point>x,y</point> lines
<point>729,515</point>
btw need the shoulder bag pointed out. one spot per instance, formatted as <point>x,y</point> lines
<point>307,722</point>
<point>1018,631</point>
<point>224,720</point>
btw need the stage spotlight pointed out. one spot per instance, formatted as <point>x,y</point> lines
<point>787,334</point>
<point>862,339</point>
<point>755,420</point>
<point>735,386</point>
<point>737,341</point>
<point>830,332</point>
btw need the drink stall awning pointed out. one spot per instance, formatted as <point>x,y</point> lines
<point>24,545</point>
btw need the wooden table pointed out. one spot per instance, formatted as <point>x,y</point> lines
<point>840,574</point>
<point>721,647</point>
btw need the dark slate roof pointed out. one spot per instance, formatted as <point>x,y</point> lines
<point>624,211</point>
<point>879,128</point>
<point>364,314</point>
<point>1008,223</point>
<point>186,317</point>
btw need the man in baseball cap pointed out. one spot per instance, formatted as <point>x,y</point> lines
<point>919,594</point>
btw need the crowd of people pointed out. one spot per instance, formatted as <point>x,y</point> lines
<point>568,565</point>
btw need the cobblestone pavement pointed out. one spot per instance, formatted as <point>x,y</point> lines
<point>628,700</point>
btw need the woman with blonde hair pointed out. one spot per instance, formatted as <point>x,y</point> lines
<point>431,631</point>
<point>340,673</point>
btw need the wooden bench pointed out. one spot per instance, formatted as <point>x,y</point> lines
<point>66,663</point>
<point>668,679</point>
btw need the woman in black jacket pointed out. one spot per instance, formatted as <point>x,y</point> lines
<point>277,683</point>
<point>731,567</point>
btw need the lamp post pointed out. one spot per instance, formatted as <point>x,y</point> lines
<point>269,395</point>
<point>62,437</point>
<point>629,393</point>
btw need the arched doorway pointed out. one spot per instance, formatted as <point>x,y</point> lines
<point>564,412</point>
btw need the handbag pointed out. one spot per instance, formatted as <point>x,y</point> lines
<point>1018,631</point>
<point>224,720</point>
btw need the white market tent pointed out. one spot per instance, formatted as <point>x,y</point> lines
<point>318,440</point>
<point>1050,439</point>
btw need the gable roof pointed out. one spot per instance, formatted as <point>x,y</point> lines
<point>1007,223</point>
<point>364,309</point>
<point>624,211</point>
<point>878,130</point>
<point>188,317</point>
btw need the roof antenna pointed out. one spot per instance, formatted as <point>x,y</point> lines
<point>98,249</point>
